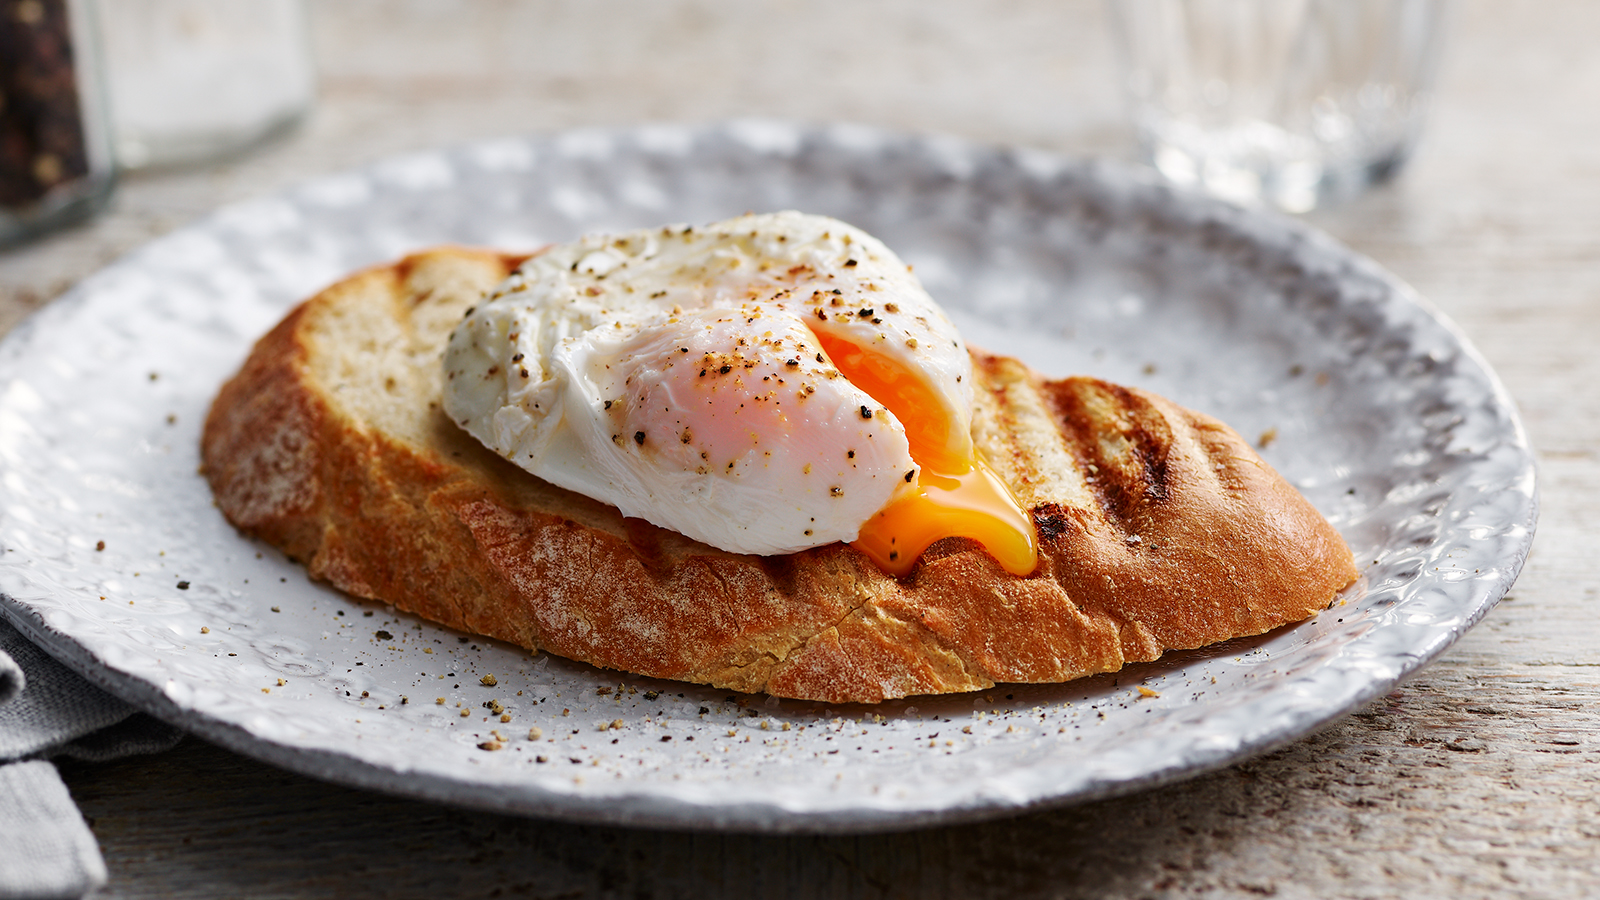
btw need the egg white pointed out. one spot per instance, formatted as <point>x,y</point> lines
<point>676,373</point>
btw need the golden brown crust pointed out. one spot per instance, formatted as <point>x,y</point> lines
<point>1160,527</point>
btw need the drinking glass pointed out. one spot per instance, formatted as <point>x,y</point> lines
<point>1293,103</point>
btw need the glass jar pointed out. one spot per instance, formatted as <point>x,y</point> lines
<point>196,81</point>
<point>56,163</point>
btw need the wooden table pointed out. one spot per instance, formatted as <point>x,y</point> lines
<point>1479,776</point>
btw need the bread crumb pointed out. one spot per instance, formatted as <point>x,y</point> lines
<point>488,681</point>
<point>535,733</point>
<point>491,745</point>
<point>505,717</point>
<point>465,713</point>
<point>1146,692</point>
<point>438,701</point>
<point>204,630</point>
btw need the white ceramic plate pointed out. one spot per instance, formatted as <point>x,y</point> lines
<point>1381,413</point>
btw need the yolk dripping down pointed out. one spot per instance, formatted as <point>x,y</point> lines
<point>957,494</point>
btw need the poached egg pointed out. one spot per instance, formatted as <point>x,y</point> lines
<point>764,384</point>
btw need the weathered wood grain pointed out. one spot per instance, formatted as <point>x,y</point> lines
<point>1464,782</point>
<point>1479,777</point>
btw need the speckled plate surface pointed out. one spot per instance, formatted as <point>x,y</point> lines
<point>116,562</point>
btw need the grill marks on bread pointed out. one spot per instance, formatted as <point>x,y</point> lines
<point>1078,442</point>
<point>1120,439</point>
<point>1160,528</point>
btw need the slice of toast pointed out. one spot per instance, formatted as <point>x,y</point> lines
<point>1159,528</point>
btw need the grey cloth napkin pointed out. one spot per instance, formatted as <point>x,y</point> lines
<point>46,848</point>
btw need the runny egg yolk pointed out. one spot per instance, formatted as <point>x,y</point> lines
<point>956,494</point>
